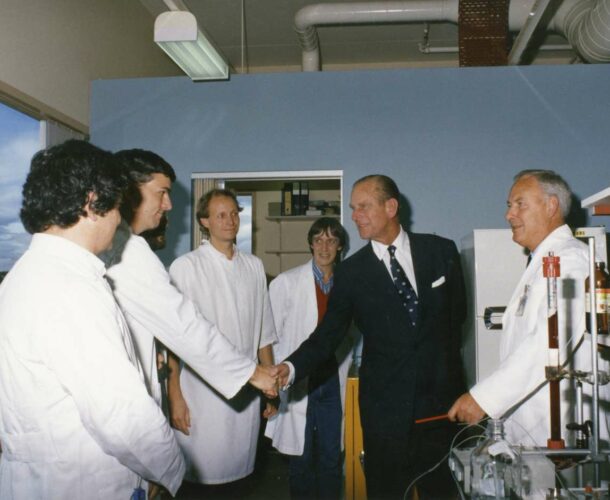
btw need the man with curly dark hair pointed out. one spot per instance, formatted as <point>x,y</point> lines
<point>75,419</point>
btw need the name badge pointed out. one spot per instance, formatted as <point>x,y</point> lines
<point>523,300</point>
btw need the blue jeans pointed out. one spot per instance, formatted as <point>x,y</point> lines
<point>317,472</point>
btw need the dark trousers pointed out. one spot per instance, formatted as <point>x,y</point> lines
<point>317,472</point>
<point>392,462</point>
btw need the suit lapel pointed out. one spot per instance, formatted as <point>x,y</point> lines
<point>423,268</point>
<point>380,282</point>
<point>375,272</point>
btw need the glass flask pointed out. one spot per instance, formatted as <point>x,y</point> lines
<point>495,468</point>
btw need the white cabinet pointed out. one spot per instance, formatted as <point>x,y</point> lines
<point>493,264</point>
<point>290,243</point>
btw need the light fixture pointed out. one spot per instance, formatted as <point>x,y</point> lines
<point>177,33</point>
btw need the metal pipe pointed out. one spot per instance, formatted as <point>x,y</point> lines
<point>427,49</point>
<point>585,23</point>
<point>581,438</point>
<point>324,14</point>
<point>595,387</point>
<point>524,36</point>
<point>561,453</point>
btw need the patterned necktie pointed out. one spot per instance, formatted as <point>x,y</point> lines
<point>403,285</point>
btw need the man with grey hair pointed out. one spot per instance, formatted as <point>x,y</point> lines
<point>517,390</point>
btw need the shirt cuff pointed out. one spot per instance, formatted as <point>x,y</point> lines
<point>290,376</point>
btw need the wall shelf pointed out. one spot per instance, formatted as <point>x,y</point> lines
<point>299,217</point>
<point>598,203</point>
<point>291,247</point>
<point>277,251</point>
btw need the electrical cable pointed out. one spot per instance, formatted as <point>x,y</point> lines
<point>538,448</point>
<point>435,466</point>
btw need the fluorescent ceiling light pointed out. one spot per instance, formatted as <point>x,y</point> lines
<point>177,33</point>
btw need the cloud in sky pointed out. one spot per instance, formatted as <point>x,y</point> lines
<point>15,156</point>
<point>14,240</point>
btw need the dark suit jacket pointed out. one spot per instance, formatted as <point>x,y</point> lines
<point>406,372</point>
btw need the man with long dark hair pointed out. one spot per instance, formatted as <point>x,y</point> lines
<point>154,307</point>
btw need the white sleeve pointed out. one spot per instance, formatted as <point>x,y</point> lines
<point>86,353</point>
<point>278,297</point>
<point>143,289</point>
<point>268,333</point>
<point>523,371</point>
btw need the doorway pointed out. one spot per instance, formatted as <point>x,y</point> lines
<point>280,241</point>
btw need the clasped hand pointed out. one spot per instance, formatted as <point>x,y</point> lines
<point>269,379</point>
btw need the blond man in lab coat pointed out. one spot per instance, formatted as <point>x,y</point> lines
<point>76,420</point>
<point>219,435</point>
<point>308,426</point>
<point>517,390</point>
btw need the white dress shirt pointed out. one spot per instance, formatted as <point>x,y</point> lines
<point>402,254</point>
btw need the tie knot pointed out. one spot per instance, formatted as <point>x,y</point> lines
<point>391,250</point>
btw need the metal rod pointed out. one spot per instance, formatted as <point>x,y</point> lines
<point>427,49</point>
<point>594,445</point>
<point>581,437</point>
<point>560,453</point>
<point>524,36</point>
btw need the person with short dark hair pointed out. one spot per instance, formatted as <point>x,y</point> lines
<point>308,424</point>
<point>405,293</point>
<point>154,308</point>
<point>75,418</point>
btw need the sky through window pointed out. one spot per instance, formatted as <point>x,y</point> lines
<point>19,140</point>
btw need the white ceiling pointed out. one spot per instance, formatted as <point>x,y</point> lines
<point>270,43</point>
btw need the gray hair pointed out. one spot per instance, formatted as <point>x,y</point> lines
<point>553,185</point>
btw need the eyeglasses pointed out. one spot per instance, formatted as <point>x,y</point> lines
<point>331,242</point>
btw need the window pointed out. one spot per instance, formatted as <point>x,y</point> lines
<point>19,140</point>
<point>244,236</point>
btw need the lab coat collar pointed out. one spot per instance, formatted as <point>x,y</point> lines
<point>562,233</point>
<point>68,251</point>
<point>533,270</point>
<point>206,246</point>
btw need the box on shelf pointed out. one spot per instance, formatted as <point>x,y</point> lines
<point>274,208</point>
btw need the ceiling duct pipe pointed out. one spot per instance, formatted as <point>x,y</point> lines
<point>584,23</point>
<point>325,14</point>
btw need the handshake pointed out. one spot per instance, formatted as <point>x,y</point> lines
<point>269,379</point>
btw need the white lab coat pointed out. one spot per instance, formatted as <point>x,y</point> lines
<point>154,308</point>
<point>517,388</point>
<point>75,418</point>
<point>295,310</point>
<point>233,294</point>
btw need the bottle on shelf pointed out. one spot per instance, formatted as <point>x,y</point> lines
<point>496,471</point>
<point>602,299</point>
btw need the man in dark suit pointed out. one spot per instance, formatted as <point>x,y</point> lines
<point>405,293</point>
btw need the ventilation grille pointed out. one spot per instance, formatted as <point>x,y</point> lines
<point>483,32</point>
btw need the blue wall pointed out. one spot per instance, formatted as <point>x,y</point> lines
<point>451,138</point>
